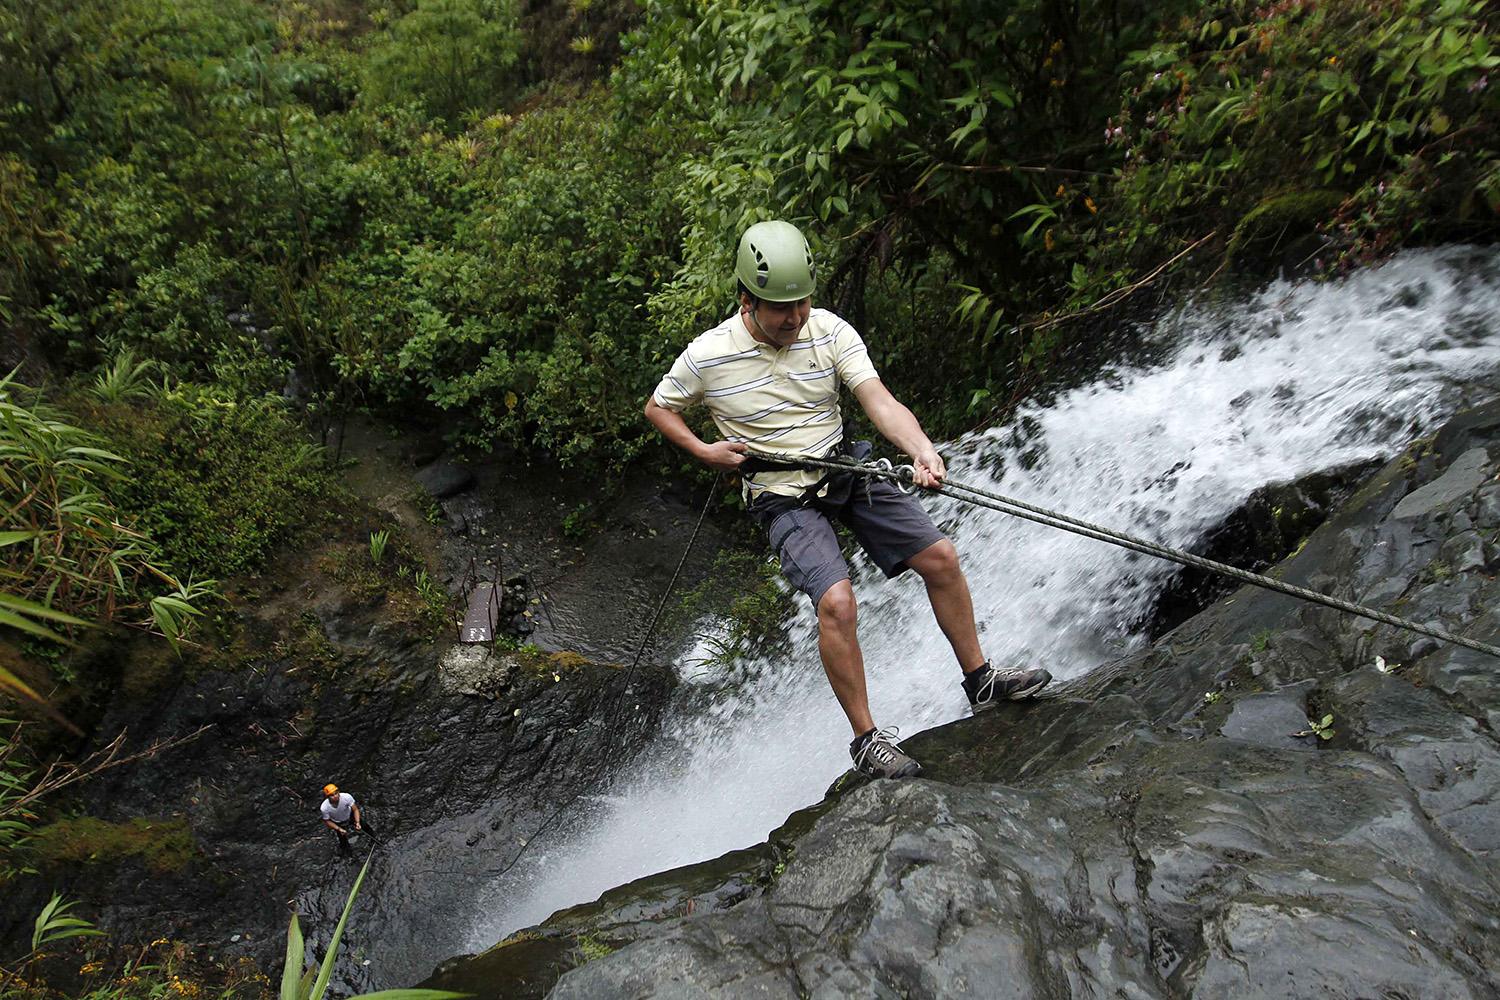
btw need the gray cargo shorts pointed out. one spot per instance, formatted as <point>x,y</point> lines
<point>890,526</point>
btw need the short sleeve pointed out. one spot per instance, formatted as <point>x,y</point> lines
<point>851,359</point>
<point>681,387</point>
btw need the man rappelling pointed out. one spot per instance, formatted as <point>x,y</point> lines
<point>336,809</point>
<point>770,376</point>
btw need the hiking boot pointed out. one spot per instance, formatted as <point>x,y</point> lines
<point>878,755</point>
<point>986,687</point>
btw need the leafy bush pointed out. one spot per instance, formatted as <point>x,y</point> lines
<point>1368,123</point>
<point>418,216</point>
<point>526,327</point>
<point>450,57</point>
<point>69,556</point>
<point>215,481</point>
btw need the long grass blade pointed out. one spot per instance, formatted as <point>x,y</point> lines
<point>326,971</point>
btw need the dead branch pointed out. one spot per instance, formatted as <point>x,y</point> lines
<point>61,774</point>
<point>1118,295</point>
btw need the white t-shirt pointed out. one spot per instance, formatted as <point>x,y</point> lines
<point>338,813</point>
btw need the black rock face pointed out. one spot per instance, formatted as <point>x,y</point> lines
<point>1171,825</point>
<point>444,479</point>
<point>455,767</point>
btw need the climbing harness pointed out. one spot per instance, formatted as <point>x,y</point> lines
<point>904,476</point>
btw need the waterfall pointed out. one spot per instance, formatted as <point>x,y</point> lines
<point>1298,378</point>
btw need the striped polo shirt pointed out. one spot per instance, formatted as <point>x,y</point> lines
<point>783,401</point>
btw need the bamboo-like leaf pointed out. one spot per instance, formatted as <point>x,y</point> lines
<point>27,625</point>
<point>35,610</point>
<point>12,537</point>
<point>325,971</point>
<point>296,958</point>
<point>52,924</point>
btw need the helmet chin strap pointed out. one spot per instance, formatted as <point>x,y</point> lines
<point>756,319</point>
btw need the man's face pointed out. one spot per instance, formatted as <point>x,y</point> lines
<point>333,799</point>
<point>778,323</point>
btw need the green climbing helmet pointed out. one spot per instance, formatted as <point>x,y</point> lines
<point>775,262</point>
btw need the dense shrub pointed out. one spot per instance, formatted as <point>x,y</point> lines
<point>216,482</point>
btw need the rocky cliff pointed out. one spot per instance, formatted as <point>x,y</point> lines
<point>1174,824</point>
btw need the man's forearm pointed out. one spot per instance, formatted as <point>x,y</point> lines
<point>675,429</point>
<point>900,427</point>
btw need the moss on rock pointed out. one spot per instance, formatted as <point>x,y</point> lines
<point>1275,228</point>
<point>162,845</point>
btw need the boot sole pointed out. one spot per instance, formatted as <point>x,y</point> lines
<point>1020,695</point>
<point>912,770</point>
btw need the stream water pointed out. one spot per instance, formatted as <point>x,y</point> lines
<point>1295,379</point>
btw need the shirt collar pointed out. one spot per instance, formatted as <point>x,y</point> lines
<point>744,340</point>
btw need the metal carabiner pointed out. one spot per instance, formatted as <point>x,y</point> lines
<point>906,483</point>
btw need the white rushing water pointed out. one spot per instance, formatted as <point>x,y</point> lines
<point>1296,379</point>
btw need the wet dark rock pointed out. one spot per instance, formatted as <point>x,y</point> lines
<point>1276,719</point>
<point>1487,512</point>
<point>1464,551</point>
<point>444,479</point>
<point>1268,526</point>
<point>419,449</point>
<point>1458,482</point>
<point>453,782</point>
<point>1114,840</point>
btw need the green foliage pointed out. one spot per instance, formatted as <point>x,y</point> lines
<point>70,558</point>
<point>452,58</point>
<point>1321,728</point>
<point>16,820</point>
<point>54,924</point>
<point>526,326</point>
<point>438,605</point>
<point>394,205</point>
<point>1389,104</point>
<point>215,481</point>
<point>123,379</point>
<point>910,151</point>
<point>378,541</point>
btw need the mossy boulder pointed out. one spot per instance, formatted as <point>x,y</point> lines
<point>1281,233</point>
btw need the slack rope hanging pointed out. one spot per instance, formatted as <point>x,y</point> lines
<point>1053,519</point>
<point>614,713</point>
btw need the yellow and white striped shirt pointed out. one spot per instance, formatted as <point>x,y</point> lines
<point>784,401</point>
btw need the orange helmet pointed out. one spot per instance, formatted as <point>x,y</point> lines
<point>330,789</point>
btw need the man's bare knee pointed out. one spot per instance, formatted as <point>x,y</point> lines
<point>837,608</point>
<point>936,563</point>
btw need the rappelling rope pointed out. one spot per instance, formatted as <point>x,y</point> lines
<point>902,475</point>
<point>613,713</point>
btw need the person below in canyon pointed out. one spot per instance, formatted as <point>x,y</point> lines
<point>770,376</point>
<point>337,809</point>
